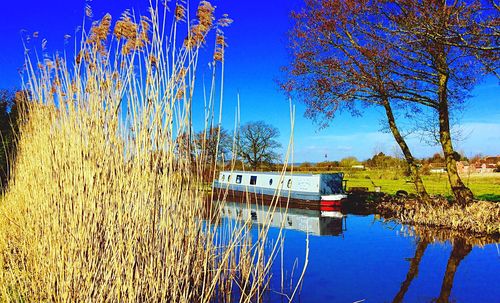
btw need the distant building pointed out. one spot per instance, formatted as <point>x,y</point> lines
<point>437,170</point>
<point>484,165</point>
<point>465,167</point>
<point>487,164</point>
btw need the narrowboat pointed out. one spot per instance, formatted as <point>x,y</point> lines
<point>304,220</point>
<point>323,192</point>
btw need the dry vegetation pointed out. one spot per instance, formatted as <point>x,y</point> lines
<point>479,217</point>
<point>104,203</point>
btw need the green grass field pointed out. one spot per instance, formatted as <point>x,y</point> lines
<point>484,186</point>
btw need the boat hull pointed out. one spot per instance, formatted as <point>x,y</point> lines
<point>285,199</point>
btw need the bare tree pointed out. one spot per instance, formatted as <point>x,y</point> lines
<point>341,57</point>
<point>213,143</point>
<point>212,146</point>
<point>257,144</point>
<point>437,47</point>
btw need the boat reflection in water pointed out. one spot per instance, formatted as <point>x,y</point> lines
<point>315,222</point>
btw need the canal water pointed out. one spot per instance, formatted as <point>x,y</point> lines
<point>364,259</point>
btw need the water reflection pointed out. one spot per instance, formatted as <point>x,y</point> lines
<point>412,271</point>
<point>462,245</point>
<point>443,266</point>
<point>310,221</point>
<point>460,250</point>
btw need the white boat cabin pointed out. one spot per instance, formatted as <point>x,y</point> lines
<point>307,183</point>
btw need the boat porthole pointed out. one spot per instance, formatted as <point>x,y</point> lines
<point>289,184</point>
<point>270,181</point>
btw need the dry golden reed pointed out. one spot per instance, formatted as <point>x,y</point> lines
<point>478,217</point>
<point>106,203</point>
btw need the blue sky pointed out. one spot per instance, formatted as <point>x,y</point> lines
<point>257,49</point>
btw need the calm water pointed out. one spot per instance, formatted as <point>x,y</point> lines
<point>361,258</point>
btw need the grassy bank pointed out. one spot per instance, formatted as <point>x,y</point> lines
<point>484,186</point>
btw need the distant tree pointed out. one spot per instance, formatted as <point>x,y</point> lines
<point>257,144</point>
<point>328,164</point>
<point>384,161</point>
<point>348,162</point>
<point>436,158</point>
<point>213,143</point>
<point>305,166</point>
<point>476,158</point>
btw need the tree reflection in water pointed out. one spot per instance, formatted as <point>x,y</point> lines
<point>413,271</point>
<point>460,250</point>
<point>461,246</point>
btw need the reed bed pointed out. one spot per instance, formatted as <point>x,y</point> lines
<point>106,201</point>
<point>478,217</point>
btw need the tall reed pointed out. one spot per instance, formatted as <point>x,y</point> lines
<point>106,203</point>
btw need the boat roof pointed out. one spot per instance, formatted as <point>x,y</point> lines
<point>273,173</point>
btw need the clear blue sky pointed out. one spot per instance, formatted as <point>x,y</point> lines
<point>257,49</point>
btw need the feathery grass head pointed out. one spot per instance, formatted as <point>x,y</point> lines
<point>99,33</point>
<point>180,12</point>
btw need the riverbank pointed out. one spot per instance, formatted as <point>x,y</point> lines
<point>478,217</point>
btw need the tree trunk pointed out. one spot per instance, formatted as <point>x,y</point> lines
<point>462,193</point>
<point>414,174</point>
<point>412,272</point>
<point>460,250</point>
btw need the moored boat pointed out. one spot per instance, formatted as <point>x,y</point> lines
<point>323,192</point>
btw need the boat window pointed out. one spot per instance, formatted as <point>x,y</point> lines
<point>270,181</point>
<point>289,183</point>
<point>228,178</point>
<point>254,215</point>
<point>238,178</point>
<point>223,177</point>
<point>253,180</point>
